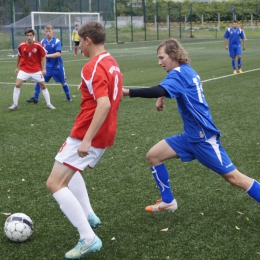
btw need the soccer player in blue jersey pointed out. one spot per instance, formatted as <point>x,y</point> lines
<point>233,45</point>
<point>200,139</point>
<point>54,64</point>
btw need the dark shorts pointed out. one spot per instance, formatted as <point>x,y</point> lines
<point>76,44</point>
<point>235,51</point>
<point>58,75</point>
<point>209,153</point>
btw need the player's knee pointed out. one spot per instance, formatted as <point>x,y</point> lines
<point>42,85</point>
<point>152,158</point>
<point>50,186</point>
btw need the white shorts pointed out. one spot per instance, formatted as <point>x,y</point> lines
<point>68,155</point>
<point>36,76</point>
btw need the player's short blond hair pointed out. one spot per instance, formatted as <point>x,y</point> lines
<point>175,50</point>
<point>48,27</point>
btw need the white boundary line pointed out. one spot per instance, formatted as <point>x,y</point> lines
<point>73,85</point>
<point>230,75</point>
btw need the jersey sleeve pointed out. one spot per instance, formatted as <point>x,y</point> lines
<point>58,46</point>
<point>226,35</point>
<point>242,35</point>
<point>172,84</point>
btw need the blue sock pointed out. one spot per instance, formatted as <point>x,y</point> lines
<point>239,63</point>
<point>66,90</point>
<point>37,91</point>
<point>254,191</point>
<point>161,176</point>
<point>234,64</point>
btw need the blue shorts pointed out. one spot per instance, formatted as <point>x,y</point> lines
<point>234,51</point>
<point>210,153</point>
<point>57,74</point>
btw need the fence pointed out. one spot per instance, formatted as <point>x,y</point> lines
<point>129,21</point>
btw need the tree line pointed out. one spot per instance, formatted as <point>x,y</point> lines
<point>147,8</point>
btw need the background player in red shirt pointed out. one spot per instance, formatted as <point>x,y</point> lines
<point>93,131</point>
<point>31,63</point>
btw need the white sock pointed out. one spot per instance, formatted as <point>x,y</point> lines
<point>74,212</point>
<point>79,190</point>
<point>46,95</point>
<point>16,95</point>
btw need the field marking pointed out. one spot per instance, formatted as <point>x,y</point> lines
<point>230,75</point>
<point>33,83</point>
<point>76,85</point>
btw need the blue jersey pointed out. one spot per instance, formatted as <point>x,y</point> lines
<point>52,46</point>
<point>183,83</point>
<point>234,36</point>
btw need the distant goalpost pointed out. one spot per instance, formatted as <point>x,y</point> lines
<point>63,22</point>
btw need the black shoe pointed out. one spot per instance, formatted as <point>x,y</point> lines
<point>68,99</point>
<point>32,100</point>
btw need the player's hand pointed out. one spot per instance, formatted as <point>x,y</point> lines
<point>244,48</point>
<point>84,149</point>
<point>16,71</point>
<point>43,71</point>
<point>226,47</point>
<point>160,104</point>
<point>125,92</point>
<point>79,87</point>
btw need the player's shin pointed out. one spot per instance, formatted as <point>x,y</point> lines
<point>46,95</point>
<point>161,176</point>
<point>78,188</point>
<point>74,212</point>
<point>254,190</point>
<point>67,91</point>
<point>37,91</point>
<point>239,63</point>
<point>16,95</point>
<point>233,64</point>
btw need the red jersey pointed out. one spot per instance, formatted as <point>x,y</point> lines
<point>31,56</point>
<point>101,77</point>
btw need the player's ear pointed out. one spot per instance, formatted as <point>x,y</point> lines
<point>88,40</point>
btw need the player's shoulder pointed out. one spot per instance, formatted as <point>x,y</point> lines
<point>22,43</point>
<point>36,43</point>
<point>56,40</point>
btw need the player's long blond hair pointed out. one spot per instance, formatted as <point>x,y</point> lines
<point>174,49</point>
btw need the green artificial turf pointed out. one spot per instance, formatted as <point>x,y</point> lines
<point>208,223</point>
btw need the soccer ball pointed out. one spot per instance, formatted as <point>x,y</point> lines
<point>18,227</point>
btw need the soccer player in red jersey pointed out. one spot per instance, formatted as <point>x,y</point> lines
<point>94,130</point>
<point>30,63</point>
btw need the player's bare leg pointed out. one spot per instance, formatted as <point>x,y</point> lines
<point>251,186</point>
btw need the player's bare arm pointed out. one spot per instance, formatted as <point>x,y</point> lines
<point>17,64</point>
<point>102,109</point>
<point>54,55</point>
<point>226,44</point>
<point>44,65</point>
<point>125,92</point>
<point>244,44</point>
<point>160,104</point>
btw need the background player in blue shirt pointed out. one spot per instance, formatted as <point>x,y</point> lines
<point>54,64</point>
<point>233,44</point>
<point>200,139</point>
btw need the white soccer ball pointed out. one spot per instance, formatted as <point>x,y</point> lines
<point>18,227</point>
